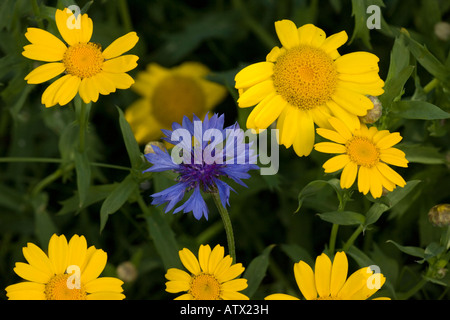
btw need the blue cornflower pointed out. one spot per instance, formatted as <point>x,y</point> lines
<point>204,153</point>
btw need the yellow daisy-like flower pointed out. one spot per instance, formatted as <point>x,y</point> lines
<point>305,82</point>
<point>69,272</point>
<point>364,152</point>
<point>212,276</point>
<point>168,95</point>
<point>88,70</point>
<point>329,281</point>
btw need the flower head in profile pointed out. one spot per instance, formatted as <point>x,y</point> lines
<point>205,154</point>
<point>364,153</point>
<point>88,70</point>
<point>169,94</point>
<point>211,276</point>
<point>70,271</point>
<point>305,82</point>
<point>328,281</point>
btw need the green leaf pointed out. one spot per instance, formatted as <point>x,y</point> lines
<point>414,109</point>
<point>315,186</point>
<point>95,194</point>
<point>163,238</point>
<point>131,144</point>
<point>256,271</point>
<point>361,31</point>
<point>117,198</point>
<point>44,225</point>
<point>422,154</point>
<point>297,253</point>
<point>345,218</point>
<point>83,169</point>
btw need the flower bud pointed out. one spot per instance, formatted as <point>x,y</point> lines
<point>148,147</point>
<point>439,215</point>
<point>126,271</point>
<point>442,30</point>
<point>375,113</point>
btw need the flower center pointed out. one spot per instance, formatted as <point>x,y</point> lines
<point>58,289</point>
<point>83,60</point>
<point>205,287</point>
<point>203,174</point>
<point>305,77</point>
<point>363,152</point>
<point>175,97</point>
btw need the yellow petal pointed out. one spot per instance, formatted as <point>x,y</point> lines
<point>121,45</point>
<point>273,55</point>
<point>256,94</point>
<point>67,91</point>
<point>233,271</point>
<point>253,74</point>
<point>58,253</point>
<point>373,88</point>
<point>330,147</point>
<point>309,34</point>
<point>270,112</point>
<point>322,274</point>
<point>304,276</point>
<point>341,128</point>
<point>304,141</point>
<point>120,80</point>
<point>37,258</point>
<point>42,53</point>
<point>94,266</point>
<point>77,250</point>
<point>331,135</point>
<point>334,41</point>
<point>233,295</point>
<point>336,163</point>
<point>31,273</point>
<point>351,120</point>
<point>287,33</point>
<point>45,72</point>
<point>189,261</point>
<point>105,296</point>
<point>390,174</point>
<point>73,30</point>
<point>354,283</point>
<point>353,102</point>
<point>357,62</point>
<point>175,274</point>
<point>376,188</point>
<point>103,83</point>
<point>215,257</point>
<point>44,38</point>
<point>348,175</point>
<point>280,296</point>
<point>363,180</point>
<point>104,284</point>
<point>235,285</point>
<point>204,252</point>
<point>389,140</point>
<point>288,125</point>
<point>338,273</point>
<point>120,64</point>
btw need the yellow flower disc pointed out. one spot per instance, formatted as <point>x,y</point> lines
<point>83,60</point>
<point>305,77</point>
<point>363,152</point>
<point>205,287</point>
<point>57,289</point>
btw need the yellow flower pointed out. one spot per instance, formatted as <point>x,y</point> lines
<point>363,152</point>
<point>329,281</point>
<point>305,82</point>
<point>212,276</point>
<point>88,70</point>
<point>69,272</point>
<point>168,95</point>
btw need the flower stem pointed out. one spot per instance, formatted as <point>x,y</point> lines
<point>414,289</point>
<point>431,85</point>
<point>352,238</point>
<point>227,224</point>
<point>333,236</point>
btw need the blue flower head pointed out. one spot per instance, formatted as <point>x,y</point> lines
<point>205,152</point>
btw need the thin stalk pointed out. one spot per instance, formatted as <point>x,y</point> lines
<point>55,160</point>
<point>37,13</point>
<point>333,236</point>
<point>352,238</point>
<point>431,85</point>
<point>419,285</point>
<point>49,179</point>
<point>227,224</point>
<point>125,15</point>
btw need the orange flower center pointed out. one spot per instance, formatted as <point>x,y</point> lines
<point>205,287</point>
<point>363,152</point>
<point>305,77</point>
<point>83,60</point>
<point>60,288</point>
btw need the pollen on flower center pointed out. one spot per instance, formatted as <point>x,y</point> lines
<point>205,287</point>
<point>57,289</point>
<point>305,77</point>
<point>83,60</point>
<point>175,97</point>
<point>363,152</point>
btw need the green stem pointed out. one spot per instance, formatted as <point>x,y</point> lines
<point>54,160</point>
<point>125,15</point>
<point>37,13</point>
<point>49,179</point>
<point>227,224</point>
<point>352,238</point>
<point>82,121</point>
<point>333,236</point>
<point>431,85</point>
<point>414,289</point>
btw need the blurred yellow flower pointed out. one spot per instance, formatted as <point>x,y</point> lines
<point>168,95</point>
<point>88,70</point>
<point>363,152</point>
<point>70,272</point>
<point>329,281</point>
<point>305,82</point>
<point>212,276</point>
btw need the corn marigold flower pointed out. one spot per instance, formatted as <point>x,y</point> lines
<point>328,281</point>
<point>364,152</point>
<point>70,272</point>
<point>305,82</point>
<point>211,277</point>
<point>168,95</point>
<point>206,163</point>
<point>88,70</point>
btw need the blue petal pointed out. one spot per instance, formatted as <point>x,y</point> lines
<point>171,195</point>
<point>196,204</point>
<point>224,192</point>
<point>161,160</point>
